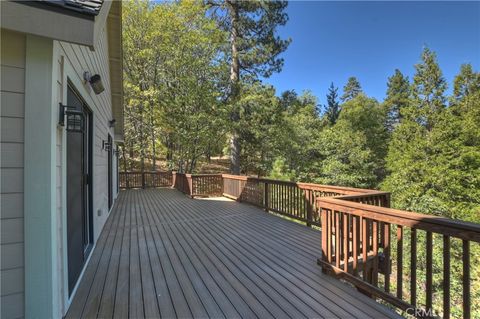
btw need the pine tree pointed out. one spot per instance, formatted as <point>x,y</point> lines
<point>466,82</point>
<point>332,109</point>
<point>351,89</point>
<point>429,87</point>
<point>398,97</point>
<point>254,50</point>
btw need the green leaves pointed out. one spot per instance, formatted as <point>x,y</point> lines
<point>351,89</point>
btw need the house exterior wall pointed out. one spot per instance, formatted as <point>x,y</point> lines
<point>34,277</point>
<point>12,151</point>
<point>72,61</point>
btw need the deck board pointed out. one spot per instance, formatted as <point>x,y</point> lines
<point>162,254</point>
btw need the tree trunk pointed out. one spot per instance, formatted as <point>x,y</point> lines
<point>131,156</point>
<point>124,159</point>
<point>142,143</point>
<point>152,127</point>
<point>234,82</point>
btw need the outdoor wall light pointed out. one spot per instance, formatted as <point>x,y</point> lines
<point>111,123</point>
<point>106,146</point>
<point>95,82</point>
<point>75,119</point>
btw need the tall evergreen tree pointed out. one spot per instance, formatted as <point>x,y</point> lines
<point>398,97</point>
<point>429,87</point>
<point>351,89</point>
<point>254,50</point>
<point>466,82</point>
<point>332,109</point>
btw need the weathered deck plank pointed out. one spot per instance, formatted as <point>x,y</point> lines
<point>164,254</point>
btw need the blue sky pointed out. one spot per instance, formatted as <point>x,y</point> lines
<point>334,40</point>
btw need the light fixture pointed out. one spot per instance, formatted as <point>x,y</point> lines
<point>111,123</point>
<point>75,118</point>
<point>95,82</point>
<point>106,146</point>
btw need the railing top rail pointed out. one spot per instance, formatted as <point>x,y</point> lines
<point>140,172</point>
<point>237,177</point>
<point>442,225</point>
<point>205,175</point>
<point>309,186</point>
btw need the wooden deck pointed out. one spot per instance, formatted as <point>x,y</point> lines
<point>162,254</point>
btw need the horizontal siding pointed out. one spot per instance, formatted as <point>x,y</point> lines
<point>83,59</point>
<point>11,164</point>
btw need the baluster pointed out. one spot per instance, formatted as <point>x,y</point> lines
<point>355,245</point>
<point>429,270</point>
<point>337,239</point>
<point>386,252</point>
<point>413,267</point>
<point>346,241</point>
<point>329,235</point>
<point>466,278</point>
<point>375,234</point>
<point>365,240</point>
<point>446,277</point>
<point>399,261</point>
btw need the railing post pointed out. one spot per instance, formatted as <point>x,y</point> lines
<point>265,196</point>
<point>143,180</point>
<point>325,231</point>
<point>174,178</point>
<point>190,184</point>
<point>222,185</point>
<point>309,215</point>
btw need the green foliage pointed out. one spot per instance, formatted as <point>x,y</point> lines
<point>467,82</point>
<point>398,98</point>
<point>173,69</point>
<point>259,119</point>
<point>428,91</point>
<point>252,27</point>
<point>433,162</point>
<point>280,170</point>
<point>332,109</point>
<point>354,148</point>
<point>351,89</point>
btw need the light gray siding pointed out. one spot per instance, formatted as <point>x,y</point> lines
<point>82,59</point>
<point>12,152</point>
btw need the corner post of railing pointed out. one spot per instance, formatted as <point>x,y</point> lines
<point>325,234</point>
<point>190,185</point>
<point>174,178</point>
<point>309,212</point>
<point>143,180</point>
<point>265,196</point>
<point>222,185</point>
<point>127,180</point>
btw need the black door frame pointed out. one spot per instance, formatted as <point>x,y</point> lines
<point>110,171</point>
<point>88,160</point>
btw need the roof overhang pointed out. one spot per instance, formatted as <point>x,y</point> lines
<point>55,22</point>
<point>115,59</point>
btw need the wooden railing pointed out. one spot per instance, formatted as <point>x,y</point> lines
<point>362,238</point>
<point>145,179</point>
<point>357,240</point>
<point>198,184</point>
<point>292,199</point>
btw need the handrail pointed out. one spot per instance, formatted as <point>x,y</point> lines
<point>442,225</point>
<point>357,245</point>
